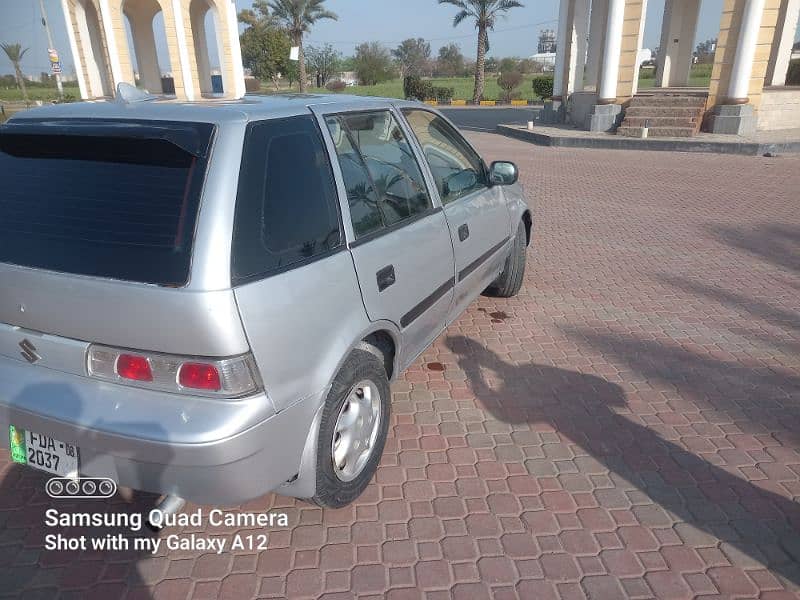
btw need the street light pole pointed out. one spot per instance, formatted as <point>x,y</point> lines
<point>50,46</point>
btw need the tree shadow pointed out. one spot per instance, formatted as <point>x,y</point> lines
<point>758,399</point>
<point>590,411</point>
<point>27,566</point>
<point>777,244</point>
<point>767,312</point>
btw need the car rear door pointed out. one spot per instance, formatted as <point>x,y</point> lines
<point>477,213</point>
<point>397,233</point>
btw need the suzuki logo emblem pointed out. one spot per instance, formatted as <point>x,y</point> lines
<point>29,351</point>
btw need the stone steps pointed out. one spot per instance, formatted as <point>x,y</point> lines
<point>656,122</point>
<point>628,131</point>
<point>661,111</point>
<point>667,115</point>
<point>669,101</point>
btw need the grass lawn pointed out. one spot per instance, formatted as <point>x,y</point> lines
<point>463,87</point>
<point>45,94</point>
<point>699,76</point>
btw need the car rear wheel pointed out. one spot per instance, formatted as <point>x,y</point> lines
<point>352,431</point>
<point>510,280</point>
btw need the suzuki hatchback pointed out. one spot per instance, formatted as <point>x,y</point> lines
<point>209,300</point>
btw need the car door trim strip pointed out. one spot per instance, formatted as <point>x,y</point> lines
<point>426,303</point>
<point>466,271</point>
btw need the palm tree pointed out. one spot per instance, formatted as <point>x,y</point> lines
<point>485,13</point>
<point>15,52</point>
<point>298,16</point>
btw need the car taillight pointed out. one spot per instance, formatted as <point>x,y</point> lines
<point>134,367</point>
<point>199,376</point>
<point>226,377</point>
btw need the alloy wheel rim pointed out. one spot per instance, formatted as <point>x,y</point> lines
<point>356,430</point>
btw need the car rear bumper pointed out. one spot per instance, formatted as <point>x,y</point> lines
<point>208,451</point>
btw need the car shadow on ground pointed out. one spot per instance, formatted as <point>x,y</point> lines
<point>591,413</point>
<point>28,567</point>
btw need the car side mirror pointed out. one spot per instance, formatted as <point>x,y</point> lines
<point>503,173</point>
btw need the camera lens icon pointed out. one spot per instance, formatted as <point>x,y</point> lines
<point>81,487</point>
<point>55,487</point>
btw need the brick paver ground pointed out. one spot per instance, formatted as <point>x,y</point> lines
<point>628,426</point>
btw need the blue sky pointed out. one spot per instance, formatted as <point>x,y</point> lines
<point>387,21</point>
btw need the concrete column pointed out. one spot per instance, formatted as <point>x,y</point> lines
<point>73,47</point>
<point>235,52</point>
<point>185,68</point>
<point>597,34</point>
<point>144,45</point>
<point>782,45</point>
<point>198,13</point>
<point>607,87</point>
<point>677,39</point>
<point>745,52</point>
<point>563,47</point>
<point>111,44</point>
<point>581,20</point>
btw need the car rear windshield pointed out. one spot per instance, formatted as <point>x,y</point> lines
<point>104,203</point>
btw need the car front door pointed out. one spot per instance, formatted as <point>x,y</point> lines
<point>398,235</point>
<point>476,212</point>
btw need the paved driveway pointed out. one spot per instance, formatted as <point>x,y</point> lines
<point>628,426</point>
<point>486,119</point>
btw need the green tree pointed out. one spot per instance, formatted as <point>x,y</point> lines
<point>373,63</point>
<point>324,63</point>
<point>508,82</point>
<point>413,56</point>
<point>15,52</point>
<point>508,64</point>
<point>705,51</point>
<point>485,14</point>
<point>297,16</point>
<point>265,47</point>
<point>450,62</point>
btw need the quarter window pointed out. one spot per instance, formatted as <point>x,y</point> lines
<point>456,167</point>
<point>384,182</point>
<point>286,211</point>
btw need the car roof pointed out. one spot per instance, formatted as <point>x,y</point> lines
<point>249,108</point>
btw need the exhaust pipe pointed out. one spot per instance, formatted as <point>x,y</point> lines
<point>168,506</point>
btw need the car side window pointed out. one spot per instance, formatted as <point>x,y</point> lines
<point>456,167</point>
<point>286,207</point>
<point>384,182</point>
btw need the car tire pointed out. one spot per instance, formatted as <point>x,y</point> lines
<point>510,280</point>
<point>340,483</point>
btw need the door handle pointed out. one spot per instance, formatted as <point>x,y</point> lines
<point>385,277</point>
<point>463,232</point>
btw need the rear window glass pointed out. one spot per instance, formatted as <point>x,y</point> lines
<point>115,207</point>
<point>287,210</point>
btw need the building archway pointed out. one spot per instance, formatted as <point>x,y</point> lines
<point>92,48</point>
<point>677,63</point>
<point>206,30</point>
<point>143,18</point>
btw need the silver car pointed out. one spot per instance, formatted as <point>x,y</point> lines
<point>209,300</point>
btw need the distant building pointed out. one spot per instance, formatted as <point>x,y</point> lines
<point>547,60</point>
<point>350,78</point>
<point>547,41</point>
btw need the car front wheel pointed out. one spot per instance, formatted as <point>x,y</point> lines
<point>510,280</point>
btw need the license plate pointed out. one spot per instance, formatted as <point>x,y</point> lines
<point>43,452</point>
